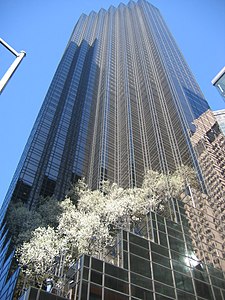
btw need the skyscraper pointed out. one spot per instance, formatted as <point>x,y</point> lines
<point>122,101</point>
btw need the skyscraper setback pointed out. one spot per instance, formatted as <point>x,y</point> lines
<point>122,101</point>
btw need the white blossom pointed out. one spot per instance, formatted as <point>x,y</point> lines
<point>39,254</point>
<point>84,224</point>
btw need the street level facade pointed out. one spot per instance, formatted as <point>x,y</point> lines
<point>156,260</point>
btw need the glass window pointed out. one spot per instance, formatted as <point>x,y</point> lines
<point>155,236</point>
<point>110,295</point>
<point>140,266</point>
<point>85,273</point>
<point>139,251</point>
<point>180,267</point>
<point>161,227</point>
<point>161,220</point>
<point>200,274</point>
<point>164,289</point>
<point>141,293</point>
<point>185,296</point>
<point>138,241</point>
<point>217,282</point>
<point>96,277</point>
<point>223,292</point>
<point>216,272</point>
<point>159,249</point>
<point>95,292</point>
<point>163,239</point>
<point>84,287</point>
<point>175,233</point>
<point>162,274</point>
<point>141,281</point>
<point>173,225</point>
<point>178,256</point>
<point>116,272</point>
<point>96,264</point>
<point>125,245</point>
<point>162,260</point>
<point>115,284</point>
<point>217,294</point>
<point>183,282</point>
<point>177,245</point>
<point>203,289</point>
<point>125,260</point>
<point>160,297</point>
<point>86,260</point>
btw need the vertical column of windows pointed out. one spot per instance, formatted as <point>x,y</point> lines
<point>185,111</point>
<point>126,135</point>
<point>79,31</point>
<point>176,130</point>
<point>101,57</point>
<point>112,86</point>
<point>179,59</point>
<point>77,143</point>
<point>107,100</point>
<point>117,161</point>
<point>140,144</point>
<point>157,155</point>
<point>44,121</point>
<point>83,148</point>
<point>177,63</point>
<point>59,142</point>
<point>168,137</point>
<point>90,28</point>
<point>121,103</point>
<point>49,183</point>
<point>170,57</point>
<point>29,168</point>
<point>93,160</point>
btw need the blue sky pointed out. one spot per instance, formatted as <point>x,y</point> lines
<point>42,28</point>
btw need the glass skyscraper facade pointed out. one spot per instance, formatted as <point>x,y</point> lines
<point>122,101</point>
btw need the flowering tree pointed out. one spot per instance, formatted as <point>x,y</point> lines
<point>22,221</point>
<point>40,253</point>
<point>84,225</point>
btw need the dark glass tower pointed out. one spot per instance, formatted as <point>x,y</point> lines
<point>121,101</point>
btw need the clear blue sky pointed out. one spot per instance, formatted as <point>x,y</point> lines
<point>42,28</point>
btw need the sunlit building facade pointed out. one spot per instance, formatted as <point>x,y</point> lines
<point>220,117</point>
